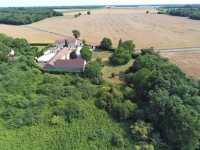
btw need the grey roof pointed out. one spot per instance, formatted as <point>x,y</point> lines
<point>72,63</point>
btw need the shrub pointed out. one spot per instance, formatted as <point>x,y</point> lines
<point>73,111</point>
<point>113,75</point>
<point>117,140</point>
<point>135,55</point>
<point>120,57</point>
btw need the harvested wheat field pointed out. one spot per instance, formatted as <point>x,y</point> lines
<point>189,62</point>
<point>146,30</point>
<point>33,36</point>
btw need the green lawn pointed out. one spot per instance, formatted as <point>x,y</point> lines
<point>101,54</point>
<point>40,47</point>
<point>109,68</point>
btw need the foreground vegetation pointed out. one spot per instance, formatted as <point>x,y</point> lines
<point>158,108</point>
<point>22,15</point>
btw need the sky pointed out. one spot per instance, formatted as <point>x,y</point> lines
<point>11,3</point>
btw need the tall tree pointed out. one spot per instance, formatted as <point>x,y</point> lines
<point>129,46</point>
<point>73,55</point>
<point>106,43</point>
<point>120,42</point>
<point>66,43</point>
<point>76,33</point>
<point>93,72</point>
<point>88,13</point>
<point>84,41</point>
<point>120,57</point>
<point>86,53</point>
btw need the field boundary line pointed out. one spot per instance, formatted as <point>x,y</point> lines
<point>175,50</point>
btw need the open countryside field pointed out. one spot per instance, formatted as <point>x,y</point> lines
<point>187,61</point>
<point>146,30</point>
<point>33,36</point>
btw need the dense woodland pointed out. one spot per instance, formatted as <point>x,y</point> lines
<point>158,107</point>
<point>25,15</point>
<point>191,11</point>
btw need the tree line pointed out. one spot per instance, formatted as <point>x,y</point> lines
<point>192,13</point>
<point>169,102</point>
<point>19,45</point>
<point>25,15</point>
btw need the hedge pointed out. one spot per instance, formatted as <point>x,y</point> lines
<point>39,44</point>
<point>40,53</point>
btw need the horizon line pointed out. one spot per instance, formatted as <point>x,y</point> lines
<point>106,5</point>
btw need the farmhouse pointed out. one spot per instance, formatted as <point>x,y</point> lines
<point>60,42</point>
<point>61,61</point>
<point>72,42</point>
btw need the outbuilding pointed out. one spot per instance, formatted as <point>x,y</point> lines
<point>92,46</point>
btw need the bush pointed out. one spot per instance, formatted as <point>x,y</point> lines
<point>39,44</point>
<point>135,55</point>
<point>106,43</point>
<point>117,140</point>
<point>160,12</point>
<point>73,111</point>
<point>120,57</point>
<point>113,74</point>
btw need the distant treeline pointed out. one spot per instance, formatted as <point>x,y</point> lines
<point>25,15</point>
<point>191,11</point>
<point>182,6</point>
<point>75,7</point>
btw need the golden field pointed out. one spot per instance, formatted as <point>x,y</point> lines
<point>187,61</point>
<point>33,36</point>
<point>146,30</point>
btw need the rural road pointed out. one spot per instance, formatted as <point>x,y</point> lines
<point>175,50</point>
<point>52,33</point>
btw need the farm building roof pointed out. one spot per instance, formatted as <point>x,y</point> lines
<point>72,63</point>
<point>91,44</point>
<point>60,40</point>
<point>71,40</point>
<point>46,58</point>
<point>59,55</point>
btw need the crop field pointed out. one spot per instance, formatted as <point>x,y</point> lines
<point>146,30</point>
<point>33,36</point>
<point>187,61</point>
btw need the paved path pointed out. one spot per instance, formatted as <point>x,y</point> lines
<point>78,53</point>
<point>175,50</point>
